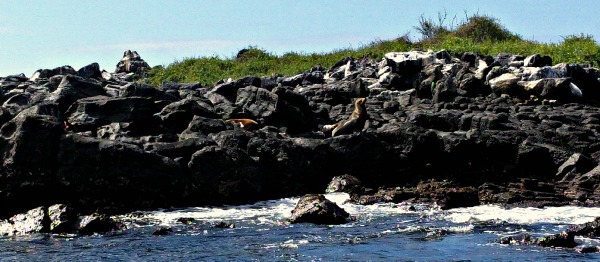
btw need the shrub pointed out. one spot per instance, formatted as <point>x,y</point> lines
<point>483,28</point>
<point>479,34</point>
<point>431,30</point>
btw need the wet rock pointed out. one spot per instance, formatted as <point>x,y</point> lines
<point>520,239</point>
<point>57,218</point>
<point>6,228</point>
<point>344,183</point>
<point>97,224</point>
<point>62,218</point>
<point>500,132</point>
<point>163,231</point>
<point>230,177</point>
<point>587,249</point>
<point>294,165</point>
<point>224,224</point>
<point>186,220</point>
<point>384,195</point>
<point>34,221</point>
<point>28,144</point>
<point>316,209</point>
<point>589,229</point>
<point>447,195</point>
<point>118,176</point>
<point>525,193</point>
<point>565,239</point>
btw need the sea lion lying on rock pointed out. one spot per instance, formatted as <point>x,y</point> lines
<point>354,123</point>
<point>244,123</point>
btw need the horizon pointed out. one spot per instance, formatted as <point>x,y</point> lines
<point>44,35</point>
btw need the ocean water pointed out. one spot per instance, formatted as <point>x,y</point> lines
<point>381,232</point>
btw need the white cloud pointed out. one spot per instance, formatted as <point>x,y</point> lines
<point>195,46</point>
<point>7,30</point>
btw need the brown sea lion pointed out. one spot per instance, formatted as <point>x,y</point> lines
<point>355,122</point>
<point>244,123</point>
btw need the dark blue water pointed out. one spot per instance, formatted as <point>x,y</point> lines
<point>380,233</point>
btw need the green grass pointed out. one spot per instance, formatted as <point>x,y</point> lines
<point>573,49</point>
<point>479,34</point>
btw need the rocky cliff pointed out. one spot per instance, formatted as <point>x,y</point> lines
<point>460,131</point>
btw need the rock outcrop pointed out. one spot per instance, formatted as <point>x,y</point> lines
<point>565,239</point>
<point>459,131</point>
<point>57,219</point>
<point>131,63</point>
<point>316,209</point>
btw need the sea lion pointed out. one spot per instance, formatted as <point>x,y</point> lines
<point>355,122</point>
<point>244,123</point>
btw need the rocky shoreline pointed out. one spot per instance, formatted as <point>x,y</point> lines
<point>465,131</point>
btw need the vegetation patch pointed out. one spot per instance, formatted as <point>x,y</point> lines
<point>480,34</point>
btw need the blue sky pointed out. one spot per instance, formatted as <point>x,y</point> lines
<point>48,34</point>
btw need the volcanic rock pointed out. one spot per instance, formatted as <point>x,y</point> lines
<point>316,209</point>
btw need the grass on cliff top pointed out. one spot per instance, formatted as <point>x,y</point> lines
<point>479,34</point>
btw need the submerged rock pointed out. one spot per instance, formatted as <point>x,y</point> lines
<point>520,239</point>
<point>588,249</point>
<point>186,220</point>
<point>316,209</point>
<point>162,231</point>
<point>97,223</point>
<point>224,224</point>
<point>565,239</point>
<point>589,229</point>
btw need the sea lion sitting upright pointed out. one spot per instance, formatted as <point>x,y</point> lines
<point>355,122</point>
